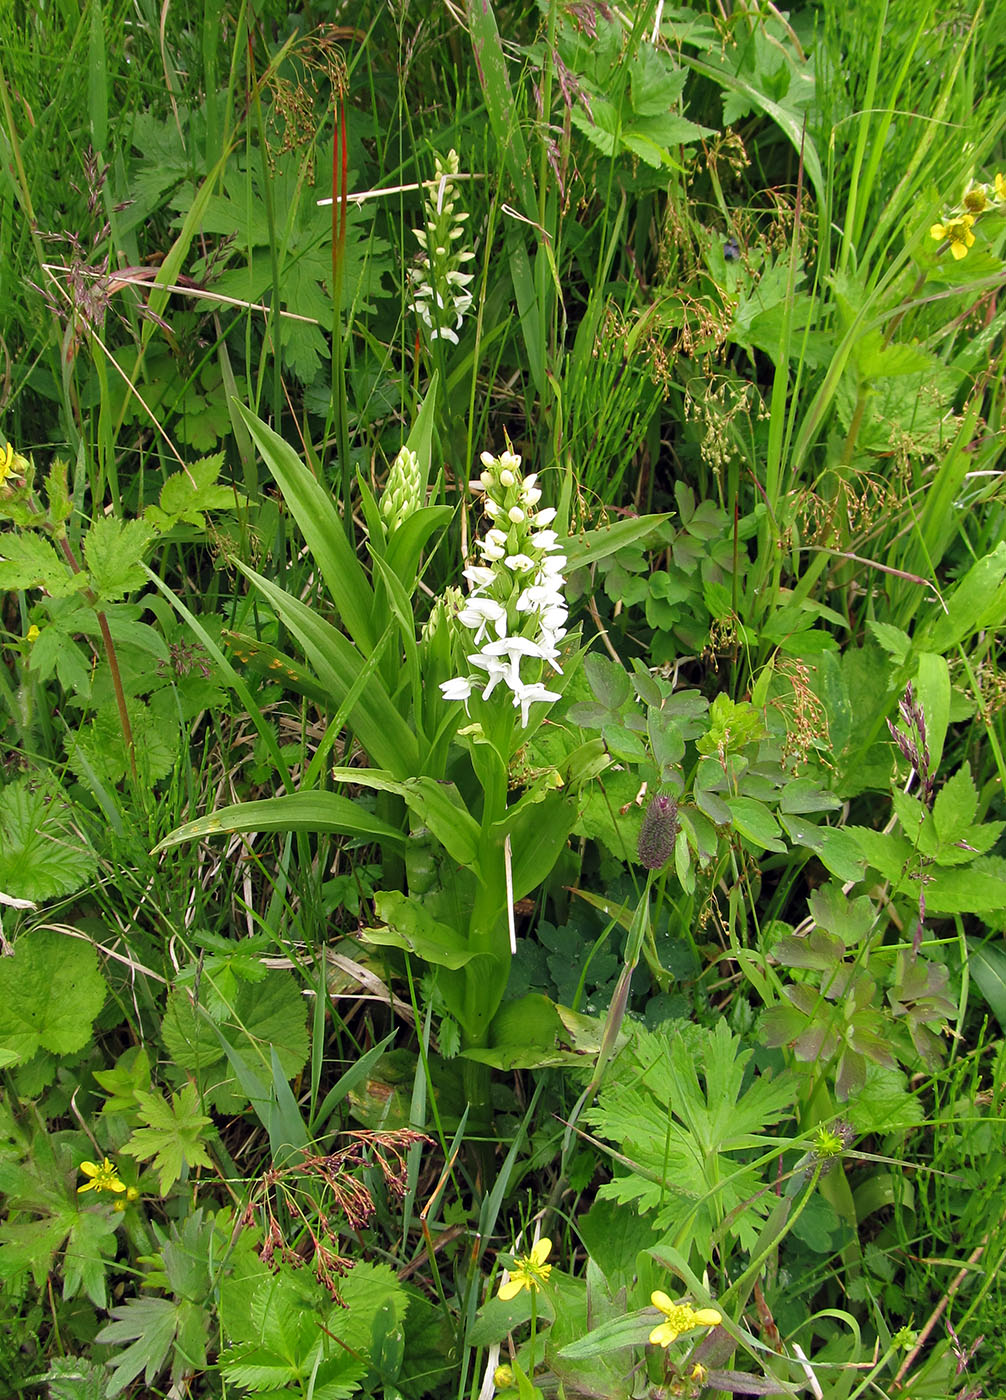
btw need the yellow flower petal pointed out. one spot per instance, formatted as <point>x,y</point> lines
<point>663,1335</point>
<point>511,1288</point>
<point>938,232</point>
<point>707,1317</point>
<point>541,1251</point>
<point>1000,186</point>
<point>661,1301</point>
<point>958,250</point>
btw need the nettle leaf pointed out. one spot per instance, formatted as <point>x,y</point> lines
<point>173,1137</point>
<point>51,991</point>
<point>114,551</point>
<point>30,561</point>
<point>41,853</point>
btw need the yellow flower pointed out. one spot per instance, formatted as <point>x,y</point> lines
<point>681,1317</point>
<point>1000,186</point>
<point>33,634</point>
<point>957,233</point>
<point>6,461</point>
<point>976,199</point>
<point>530,1271</point>
<point>103,1177</point>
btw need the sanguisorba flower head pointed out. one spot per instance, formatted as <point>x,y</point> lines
<point>678,1319</point>
<point>515,611</point>
<point>440,295</point>
<point>956,233</point>
<point>529,1271</point>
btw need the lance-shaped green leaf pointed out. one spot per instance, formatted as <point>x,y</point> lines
<point>339,666</point>
<point>290,811</point>
<point>597,544</point>
<point>437,805</point>
<point>321,525</point>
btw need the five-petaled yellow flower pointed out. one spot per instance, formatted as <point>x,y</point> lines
<point>103,1177</point>
<point>957,233</point>
<point>530,1271</point>
<point>681,1317</point>
<point>32,635</point>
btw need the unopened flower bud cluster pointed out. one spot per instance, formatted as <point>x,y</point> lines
<point>401,492</point>
<point>516,612</point>
<point>439,281</point>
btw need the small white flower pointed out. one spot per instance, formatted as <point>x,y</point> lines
<point>514,514</point>
<point>520,563</point>
<point>545,539</point>
<point>527,695</point>
<point>479,614</point>
<point>507,477</point>
<point>458,689</point>
<point>496,670</point>
<point>544,517</point>
<point>479,577</point>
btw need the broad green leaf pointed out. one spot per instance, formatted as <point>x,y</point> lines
<point>188,494</point>
<point>293,811</point>
<point>979,600</point>
<point>987,965</point>
<point>51,991</point>
<point>587,548</point>
<point>411,928</point>
<point>754,820</point>
<point>932,689</point>
<point>267,1017</point>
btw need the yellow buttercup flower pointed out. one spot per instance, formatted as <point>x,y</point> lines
<point>957,232</point>
<point>103,1177</point>
<point>530,1271</point>
<point>680,1318</point>
<point>6,461</point>
<point>999,185</point>
<point>33,634</point>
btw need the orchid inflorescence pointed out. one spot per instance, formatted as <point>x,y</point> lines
<point>515,610</point>
<point>439,282</point>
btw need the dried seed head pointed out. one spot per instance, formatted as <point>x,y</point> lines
<point>658,832</point>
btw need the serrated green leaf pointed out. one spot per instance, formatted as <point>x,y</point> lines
<point>173,1135</point>
<point>42,854</point>
<point>51,990</point>
<point>956,806</point>
<point>150,1325</point>
<point>114,551</point>
<point>29,561</point>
